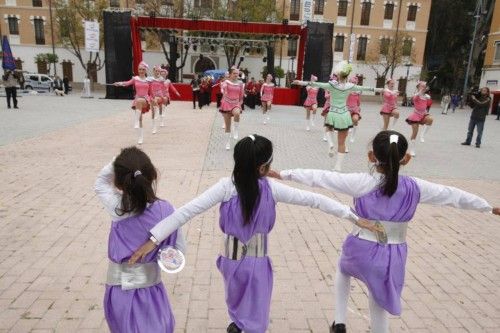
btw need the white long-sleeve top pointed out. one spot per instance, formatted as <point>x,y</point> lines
<point>224,190</point>
<point>359,184</point>
<point>111,199</point>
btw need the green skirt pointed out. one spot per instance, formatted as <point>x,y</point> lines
<point>338,121</point>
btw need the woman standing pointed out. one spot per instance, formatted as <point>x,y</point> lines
<point>232,97</point>
<point>311,103</point>
<point>390,107</point>
<point>142,99</point>
<point>420,115</point>
<point>266,96</point>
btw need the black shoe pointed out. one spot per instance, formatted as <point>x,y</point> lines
<point>15,107</point>
<point>465,144</point>
<point>337,328</point>
<point>8,106</point>
<point>233,328</point>
<point>478,146</point>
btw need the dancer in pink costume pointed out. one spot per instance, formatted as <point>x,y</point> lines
<point>233,92</point>
<point>419,116</point>
<point>266,96</point>
<point>311,103</point>
<point>142,98</point>
<point>157,100</point>
<point>353,105</point>
<point>167,88</point>
<point>390,107</point>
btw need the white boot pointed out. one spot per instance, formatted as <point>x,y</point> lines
<point>140,131</point>
<point>394,121</point>
<point>413,143</point>
<point>228,140</point>
<point>235,130</point>
<point>162,116</point>
<point>265,118</point>
<point>137,117</point>
<point>424,131</point>
<point>223,125</point>
<point>353,134</point>
<point>325,134</point>
<point>313,118</point>
<point>155,114</point>
<point>346,148</point>
<point>307,125</point>
<point>338,163</point>
<point>331,147</point>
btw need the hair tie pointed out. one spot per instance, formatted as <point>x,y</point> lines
<point>137,173</point>
<point>394,138</point>
<point>252,137</point>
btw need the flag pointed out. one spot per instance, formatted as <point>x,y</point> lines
<point>8,61</point>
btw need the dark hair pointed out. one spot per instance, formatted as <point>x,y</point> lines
<point>249,155</point>
<point>389,156</point>
<point>136,176</point>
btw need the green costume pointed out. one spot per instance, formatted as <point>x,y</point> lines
<point>339,117</point>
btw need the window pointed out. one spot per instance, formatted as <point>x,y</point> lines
<point>114,3</point>
<point>294,10</point>
<point>384,46</point>
<point>389,11</point>
<point>67,67</point>
<point>339,43</point>
<point>37,3</point>
<point>360,79</point>
<point>45,78</point>
<point>39,31</point>
<point>319,7</point>
<point>342,8</point>
<point>292,47</point>
<point>13,26</point>
<point>407,44</point>
<point>412,13</point>
<point>497,53</point>
<point>362,42</point>
<point>365,13</point>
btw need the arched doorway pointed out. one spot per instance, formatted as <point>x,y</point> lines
<point>203,64</point>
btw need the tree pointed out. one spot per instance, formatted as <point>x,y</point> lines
<point>391,53</point>
<point>278,72</point>
<point>47,58</point>
<point>70,15</point>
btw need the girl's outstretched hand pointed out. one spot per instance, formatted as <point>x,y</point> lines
<point>274,174</point>
<point>370,225</point>
<point>142,252</point>
<point>496,210</point>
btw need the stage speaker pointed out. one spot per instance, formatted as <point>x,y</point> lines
<point>318,58</point>
<point>118,53</point>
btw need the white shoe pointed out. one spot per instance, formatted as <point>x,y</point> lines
<point>136,125</point>
<point>235,135</point>
<point>331,151</point>
<point>162,123</point>
<point>264,121</point>
<point>308,128</point>
<point>351,139</point>
<point>346,149</point>
<point>154,130</point>
<point>268,118</point>
<point>422,139</point>
<point>412,153</point>
<point>324,138</point>
<point>228,145</point>
<point>223,126</point>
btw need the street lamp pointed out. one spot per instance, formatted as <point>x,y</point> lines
<point>408,65</point>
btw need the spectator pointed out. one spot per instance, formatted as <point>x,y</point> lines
<point>455,101</point>
<point>445,103</point>
<point>195,85</point>
<point>10,82</point>
<point>20,78</point>
<point>66,85</point>
<point>251,93</point>
<point>58,86</point>
<point>480,107</point>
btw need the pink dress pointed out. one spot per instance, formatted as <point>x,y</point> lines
<point>420,109</point>
<point>326,107</point>
<point>142,90</point>
<point>267,92</point>
<point>353,102</point>
<point>390,102</point>
<point>167,87</point>
<point>232,97</point>
<point>312,97</point>
<point>157,89</point>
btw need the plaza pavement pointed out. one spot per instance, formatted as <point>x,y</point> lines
<point>53,231</point>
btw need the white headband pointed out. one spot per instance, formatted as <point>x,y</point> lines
<point>252,137</point>
<point>394,138</point>
<point>137,173</point>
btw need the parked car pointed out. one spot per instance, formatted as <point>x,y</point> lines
<point>36,81</point>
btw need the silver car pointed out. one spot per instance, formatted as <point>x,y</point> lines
<point>35,81</point>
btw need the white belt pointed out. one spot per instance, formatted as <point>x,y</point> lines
<point>396,232</point>
<point>133,276</point>
<point>335,109</point>
<point>235,249</point>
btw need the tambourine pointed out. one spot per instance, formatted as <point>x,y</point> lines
<point>171,260</point>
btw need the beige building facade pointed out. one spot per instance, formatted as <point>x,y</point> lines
<point>491,70</point>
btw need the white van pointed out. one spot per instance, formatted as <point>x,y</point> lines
<point>35,81</point>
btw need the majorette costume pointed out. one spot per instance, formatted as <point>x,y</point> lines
<point>141,87</point>
<point>243,262</point>
<point>167,88</point>
<point>419,113</point>
<point>312,97</point>
<point>267,92</point>
<point>380,267</point>
<point>390,101</point>
<point>135,299</point>
<point>157,89</point>
<point>232,98</point>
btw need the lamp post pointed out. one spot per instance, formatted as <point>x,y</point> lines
<point>408,65</point>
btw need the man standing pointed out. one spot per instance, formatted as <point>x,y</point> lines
<point>480,106</point>
<point>66,85</point>
<point>10,82</point>
<point>195,85</point>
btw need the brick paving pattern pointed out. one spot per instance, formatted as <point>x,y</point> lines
<point>53,231</point>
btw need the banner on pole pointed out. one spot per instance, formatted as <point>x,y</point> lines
<point>91,36</point>
<point>307,11</point>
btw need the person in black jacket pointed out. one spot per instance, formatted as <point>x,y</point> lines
<point>66,85</point>
<point>480,105</point>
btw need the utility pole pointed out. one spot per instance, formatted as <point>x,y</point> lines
<point>52,34</point>
<point>281,45</point>
<point>396,40</point>
<point>351,37</point>
<point>477,16</point>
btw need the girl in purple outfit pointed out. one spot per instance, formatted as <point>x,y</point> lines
<point>135,300</point>
<point>392,200</point>
<point>247,215</point>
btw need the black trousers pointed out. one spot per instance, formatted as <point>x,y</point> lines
<point>11,93</point>
<point>196,97</point>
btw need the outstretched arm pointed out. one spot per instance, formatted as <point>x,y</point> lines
<point>106,191</point>
<point>125,83</point>
<point>172,88</point>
